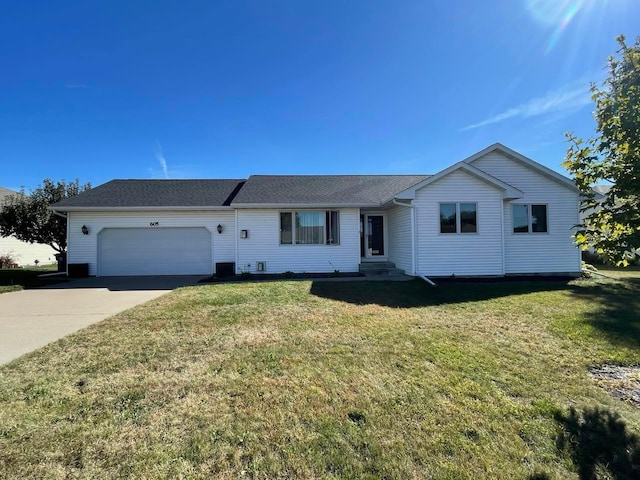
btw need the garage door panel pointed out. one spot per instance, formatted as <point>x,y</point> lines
<point>154,251</point>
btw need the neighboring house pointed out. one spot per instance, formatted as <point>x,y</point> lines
<point>24,253</point>
<point>601,192</point>
<point>495,213</point>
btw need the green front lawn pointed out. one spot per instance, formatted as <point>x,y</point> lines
<point>12,279</point>
<point>334,380</point>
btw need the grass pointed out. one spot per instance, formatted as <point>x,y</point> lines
<point>334,380</point>
<point>13,279</point>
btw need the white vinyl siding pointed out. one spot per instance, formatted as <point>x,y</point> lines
<point>399,235</point>
<point>470,254</point>
<point>84,248</point>
<point>263,245</point>
<point>551,252</point>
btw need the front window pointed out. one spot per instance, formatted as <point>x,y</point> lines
<point>286,228</point>
<point>539,218</point>
<point>458,218</point>
<point>520,218</point>
<point>333,227</point>
<point>468,218</point>
<point>448,218</point>
<point>529,218</point>
<point>310,227</point>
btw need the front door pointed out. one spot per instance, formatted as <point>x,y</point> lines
<point>375,236</point>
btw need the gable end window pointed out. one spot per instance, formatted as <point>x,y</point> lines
<point>529,218</point>
<point>458,218</point>
<point>310,227</point>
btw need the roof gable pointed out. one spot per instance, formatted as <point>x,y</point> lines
<point>509,191</point>
<point>527,162</point>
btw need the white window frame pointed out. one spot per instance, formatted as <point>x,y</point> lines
<point>530,218</point>
<point>324,227</point>
<point>458,219</point>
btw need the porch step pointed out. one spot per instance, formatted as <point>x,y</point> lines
<point>371,269</point>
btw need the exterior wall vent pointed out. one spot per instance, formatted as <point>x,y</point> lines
<point>261,266</point>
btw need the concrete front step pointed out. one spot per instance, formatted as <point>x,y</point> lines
<point>386,272</point>
<point>371,269</point>
<point>376,265</point>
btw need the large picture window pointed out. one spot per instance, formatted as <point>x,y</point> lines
<point>529,218</point>
<point>458,218</point>
<point>310,227</point>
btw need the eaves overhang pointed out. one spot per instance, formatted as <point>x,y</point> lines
<point>303,205</point>
<point>138,209</point>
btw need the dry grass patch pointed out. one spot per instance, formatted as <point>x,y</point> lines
<point>324,380</point>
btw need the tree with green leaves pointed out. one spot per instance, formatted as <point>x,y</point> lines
<point>28,218</point>
<point>612,222</point>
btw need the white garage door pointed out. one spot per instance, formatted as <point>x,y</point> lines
<point>154,251</point>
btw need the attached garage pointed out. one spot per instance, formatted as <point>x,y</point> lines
<point>154,251</point>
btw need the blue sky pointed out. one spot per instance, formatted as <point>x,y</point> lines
<point>224,89</point>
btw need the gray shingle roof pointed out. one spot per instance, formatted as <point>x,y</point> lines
<point>155,193</point>
<point>351,190</point>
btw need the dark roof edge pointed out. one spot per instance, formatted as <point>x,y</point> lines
<point>344,175</point>
<point>62,208</point>
<point>233,194</point>
<point>315,205</point>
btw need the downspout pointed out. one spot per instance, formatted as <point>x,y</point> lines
<point>504,234</point>
<point>413,233</point>
<point>428,280</point>
<point>236,234</point>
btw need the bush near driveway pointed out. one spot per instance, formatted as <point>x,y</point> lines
<point>12,279</point>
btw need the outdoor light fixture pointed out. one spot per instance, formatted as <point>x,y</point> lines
<point>85,230</point>
<point>219,228</point>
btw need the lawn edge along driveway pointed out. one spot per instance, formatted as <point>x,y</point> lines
<point>30,319</point>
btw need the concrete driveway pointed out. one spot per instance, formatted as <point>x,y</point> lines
<point>30,319</point>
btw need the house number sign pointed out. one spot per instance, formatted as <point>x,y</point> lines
<point>154,224</point>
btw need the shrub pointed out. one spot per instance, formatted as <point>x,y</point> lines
<point>7,260</point>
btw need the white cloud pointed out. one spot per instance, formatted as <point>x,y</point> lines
<point>161,160</point>
<point>553,102</point>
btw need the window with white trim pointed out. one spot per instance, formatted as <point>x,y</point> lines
<point>529,218</point>
<point>310,227</point>
<point>459,217</point>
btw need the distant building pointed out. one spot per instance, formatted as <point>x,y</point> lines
<point>24,253</point>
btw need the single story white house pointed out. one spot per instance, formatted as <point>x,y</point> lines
<point>24,253</point>
<point>495,213</point>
